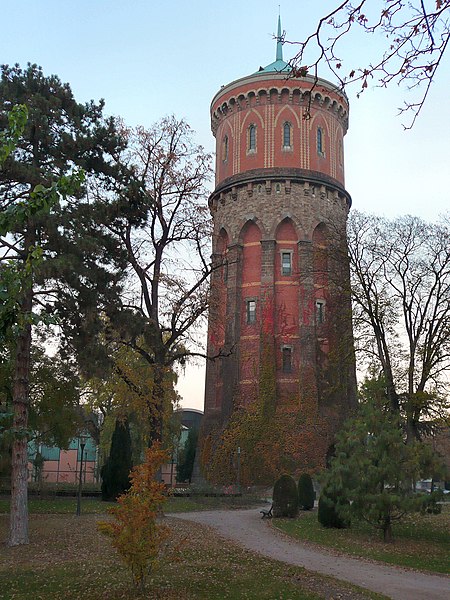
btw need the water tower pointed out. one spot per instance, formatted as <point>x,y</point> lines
<point>280,305</point>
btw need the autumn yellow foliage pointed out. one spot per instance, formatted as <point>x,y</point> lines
<point>135,532</point>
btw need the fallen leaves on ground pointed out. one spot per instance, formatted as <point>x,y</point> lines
<point>68,559</point>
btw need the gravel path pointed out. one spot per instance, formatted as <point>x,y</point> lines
<point>249,530</point>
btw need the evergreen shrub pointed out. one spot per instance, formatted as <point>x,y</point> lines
<point>431,503</point>
<point>285,497</point>
<point>327,513</point>
<point>116,471</point>
<point>306,494</point>
<point>186,457</point>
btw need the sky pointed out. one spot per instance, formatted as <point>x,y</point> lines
<point>150,59</point>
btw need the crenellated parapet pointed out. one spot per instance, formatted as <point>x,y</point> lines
<point>274,181</point>
<point>268,198</point>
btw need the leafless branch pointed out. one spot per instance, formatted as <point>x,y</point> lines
<point>416,41</point>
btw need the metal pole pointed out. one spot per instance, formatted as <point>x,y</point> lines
<point>80,483</point>
<point>239,469</point>
<point>171,471</point>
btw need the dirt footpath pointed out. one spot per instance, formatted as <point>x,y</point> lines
<point>249,530</point>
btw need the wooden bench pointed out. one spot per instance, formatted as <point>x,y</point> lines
<point>266,514</point>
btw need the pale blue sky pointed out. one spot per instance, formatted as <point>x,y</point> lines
<point>148,59</point>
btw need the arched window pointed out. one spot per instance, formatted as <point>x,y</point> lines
<point>320,141</point>
<point>225,148</point>
<point>252,137</point>
<point>287,143</point>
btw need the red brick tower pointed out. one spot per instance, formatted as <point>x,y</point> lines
<point>280,303</point>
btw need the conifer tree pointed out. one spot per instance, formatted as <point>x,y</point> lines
<point>285,497</point>
<point>373,473</point>
<point>55,255</point>
<point>306,494</point>
<point>116,471</point>
<point>186,457</point>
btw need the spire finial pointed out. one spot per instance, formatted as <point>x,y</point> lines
<point>279,38</point>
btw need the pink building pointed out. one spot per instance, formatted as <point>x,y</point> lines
<point>63,466</point>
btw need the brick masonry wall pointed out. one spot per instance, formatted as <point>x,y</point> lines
<point>260,220</point>
<point>268,104</point>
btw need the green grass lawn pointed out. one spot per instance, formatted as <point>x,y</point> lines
<point>58,505</point>
<point>67,559</point>
<point>421,542</point>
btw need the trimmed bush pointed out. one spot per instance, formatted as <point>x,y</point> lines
<point>285,497</point>
<point>306,494</point>
<point>327,513</point>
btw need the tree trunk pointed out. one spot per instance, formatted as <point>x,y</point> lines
<point>19,461</point>
<point>387,530</point>
<point>156,409</point>
<point>412,433</point>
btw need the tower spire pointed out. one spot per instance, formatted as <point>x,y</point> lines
<point>279,42</point>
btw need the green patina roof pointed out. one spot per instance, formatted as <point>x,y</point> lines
<point>279,65</point>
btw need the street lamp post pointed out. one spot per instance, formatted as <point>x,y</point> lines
<point>239,470</point>
<point>82,439</point>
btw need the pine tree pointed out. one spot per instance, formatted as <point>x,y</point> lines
<point>373,472</point>
<point>116,471</point>
<point>47,242</point>
<point>327,512</point>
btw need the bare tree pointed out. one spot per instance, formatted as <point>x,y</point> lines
<point>400,274</point>
<point>416,37</point>
<point>166,237</point>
